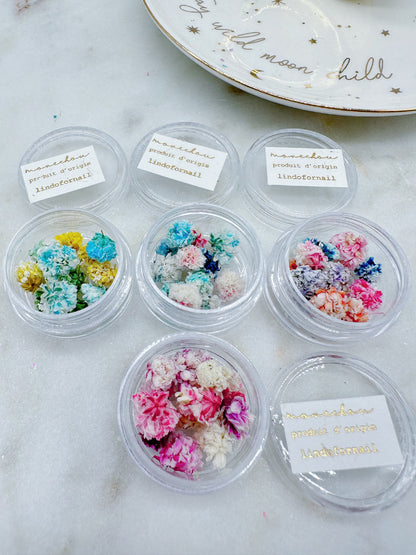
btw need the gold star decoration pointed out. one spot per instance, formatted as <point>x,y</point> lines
<point>396,91</point>
<point>193,29</point>
<point>385,33</point>
<point>313,41</point>
<point>254,73</point>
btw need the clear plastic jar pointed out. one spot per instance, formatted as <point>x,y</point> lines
<point>161,193</point>
<point>341,376</point>
<point>244,450</point>
<point>247,262</point>
<point>301,317</point>
<point>95,316</point>
<point>111,158</point>
<point>283,206</point>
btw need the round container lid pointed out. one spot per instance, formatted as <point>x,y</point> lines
<point>304,437</point>
<point>180,167</point>
<point>290,175</point>
<point>74,167</point>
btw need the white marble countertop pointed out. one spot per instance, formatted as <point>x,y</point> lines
<point>67,485</point>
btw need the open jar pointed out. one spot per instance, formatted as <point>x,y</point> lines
<point>175,412</point>
<point>83,280</point>
<point>200,268</point>
<point>337,278</point>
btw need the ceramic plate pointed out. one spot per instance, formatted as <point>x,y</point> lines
<point>335,56</point>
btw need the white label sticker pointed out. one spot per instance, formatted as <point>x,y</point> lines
<point>62,174</point>
<point>192,164</point>
<point>305,167</point>
<point>340,434</point>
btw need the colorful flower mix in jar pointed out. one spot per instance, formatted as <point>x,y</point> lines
<point>337,276</point>
<point>191,410</point>
<point>66,275</point>
<point>194,270</point>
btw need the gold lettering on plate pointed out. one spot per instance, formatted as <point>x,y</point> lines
<point>372,70</point>
<point>199,8</point>
<point>271,58</point>
<point>341,412</point>
<point>242,39</point>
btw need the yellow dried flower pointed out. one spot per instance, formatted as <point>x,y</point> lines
<point>82,253</point>
<point>71,239</point>
<point>29,275</point>
<point>101,273</point>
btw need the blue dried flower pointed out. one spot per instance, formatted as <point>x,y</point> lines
<point>164,248</point>
<point>328,249</point>
<point>308,281</point>
<point>224,246</point>
<point>91,293</point>
<point>211,265</point>
<point>56,260</point>
<point>101,248</point>
<point>368,270</point>
<point>57,297</point>
<point>179,235</point>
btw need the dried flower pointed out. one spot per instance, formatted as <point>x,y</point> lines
<point>70,239</point>
<point>309,254</point>
<point>101,273</point>
<point>352,248</point>
<point>229,285</point>
<point>330,301</point>
<point>91,293</point>
<point>154,413</point>
<point>355,311</point>
<point>186,294</point>
<point>101,248</point>
<point>370,297</point>
<point>161,372</point>
<point>56,260</point>
<point>191,257</point>
<point>29,275</point>
<point>236,413</point>
<point>181,453</point>
<point>211,374</point>
<point>57,297</point>
<point>216,443</point>
<point>368,270</point>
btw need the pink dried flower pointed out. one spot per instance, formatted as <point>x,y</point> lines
<point>188,399</point>
<point>197,403</point>
<point>309,254</point>
<point>191,257</point>
<point>355,311</point>
<point>180,453</point>
<point>200,241</point>
<point>352,248</point>
<point>186,294</point>
<point>155,414</point>
<point>210,404</point>
<point>331,301</point>
<point>370,297</point>
<point>236,413</point>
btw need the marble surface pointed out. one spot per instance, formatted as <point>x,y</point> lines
<point>67,485</point>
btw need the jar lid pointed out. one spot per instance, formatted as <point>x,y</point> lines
<point>74,167</point>
<point>342,433</point>
<point>184,162</point>
<point>293,174</point>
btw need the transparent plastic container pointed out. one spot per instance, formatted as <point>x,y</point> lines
<point>301,317</point>
<point>340,376</point>
<point>244,451</point>
<point>283,206</point>
<point>247,262</point>
<point>162,193</point>
<point>111,158</point>
<point>95,316</point>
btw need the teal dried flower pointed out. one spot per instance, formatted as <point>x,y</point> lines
<point>57,297</point>
<point>101,248</point>
<point>91,293</point>
<point>224,246</point>
<point>56,260</point>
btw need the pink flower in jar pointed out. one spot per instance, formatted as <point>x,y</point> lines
<point>200,241</point>
<point>191,257</point>
<point>181,453</point>
<point>309,254</point>
<point>370,297</point>
<point>236,413</point>
<point>154,413</point>
<point>352,248</point>
<point>210,405</point>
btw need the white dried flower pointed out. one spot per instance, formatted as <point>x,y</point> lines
<point>216,443</point>
<point>211,374</point>
<point>229,285</point>
<point>186,294</point>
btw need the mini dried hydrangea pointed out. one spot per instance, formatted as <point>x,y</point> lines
<point>191,411</point>
<point>335,277</point>
<point>61,275</point>
<point>188,267</point>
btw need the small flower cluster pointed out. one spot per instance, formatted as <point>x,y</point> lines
<point>191,410</point>
<point>66,275</point>
<point>192,269</point>
<point>336,277</point>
